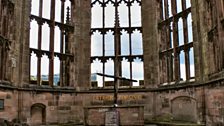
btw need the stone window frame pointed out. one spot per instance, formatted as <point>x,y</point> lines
<point>2,102</point>
<point>117,57</point>
<point>169,54</point>
<point>64,55</point>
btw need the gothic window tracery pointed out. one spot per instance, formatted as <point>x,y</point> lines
<point>176,47</point>
<point>49,35</point>
<point>116,41</point>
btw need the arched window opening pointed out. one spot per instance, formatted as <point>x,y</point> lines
<point>50,30</point>
<point>116,41</point>
<point>176,47</point>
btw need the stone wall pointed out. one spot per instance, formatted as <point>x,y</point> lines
<point>10,110</point>
<point>200,101</point>
<point>62,108</point>
<point>128,115</point>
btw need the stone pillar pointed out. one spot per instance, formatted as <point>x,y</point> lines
<point>151,38</point>
<point>81,67</point>
<point>202,50</point>
<point>21,50</point>
<point>20,47</point>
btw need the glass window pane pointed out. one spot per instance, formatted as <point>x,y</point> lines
<point>182,66</point>
<point>137,43</point>
<point>125,46</point>
<point>58,10</point>
<point>97,18</point>
<point>109,69</point>
<point>33,66</point>
<point>33,34</point>
<point>45,37</point>
<point>44,68</point>
<point>188,3</point>
<point>96,44</point>
<point>125,68</point>
<point>190,30</point>
<point>56,71</point>
<point>97,67</point>
<point>179,6</point>
<point>57,39</point>
<point>135,15</point>
<point>123,14</point>
<point>192,66</point>
<point>35,7</point>
<point>109,15</point>
<point>137,71</point>
<point>109,44</point>
<point>46,8</point>
<point>180,32</point>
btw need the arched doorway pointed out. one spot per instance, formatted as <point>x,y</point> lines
<point>38,114</point>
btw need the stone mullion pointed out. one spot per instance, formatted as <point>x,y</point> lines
<point>168,43</point>
<point>117,64</point>
<point>214,23</point>
<point>162,63</point>
<point>161,8</point>
<point>220,34</point>
<point>216,37</point>
<point>5,35</point>
<point>51,47</point>
<point>4,59</point>
<point>62,62</point>
<point>1,16</point>
<point>130,38</point>
<point>186,50</point>
<point>5,22</point>
<point>39,43</point>
<point>175,42</point>
<point>1,41</point>
<point>1,61</point>
<point>222,31</point>
<point>103,35</point>
<point>222,8</point>
<point>169,59</point>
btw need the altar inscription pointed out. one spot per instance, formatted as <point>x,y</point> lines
<point>120,97</point>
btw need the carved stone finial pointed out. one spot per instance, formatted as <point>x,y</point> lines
<point>68,16</point>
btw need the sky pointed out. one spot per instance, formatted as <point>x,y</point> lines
<point>97,39</point>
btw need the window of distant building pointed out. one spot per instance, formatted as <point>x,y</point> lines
<point>1,104</point>
<point>176,47</point>
<point>116,41</point>
<point>49,33</point>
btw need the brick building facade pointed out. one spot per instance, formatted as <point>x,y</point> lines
<point>164,97</point>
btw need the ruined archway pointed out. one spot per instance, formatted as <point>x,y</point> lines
<point>184,108</point>
<point>38,114</point>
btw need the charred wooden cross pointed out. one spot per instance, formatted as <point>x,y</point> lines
<point>116,78</point>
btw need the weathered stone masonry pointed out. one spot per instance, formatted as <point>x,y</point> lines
<point>199,100</point>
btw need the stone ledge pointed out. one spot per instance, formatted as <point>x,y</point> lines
<point>174,123</point>
<point>179,86</point>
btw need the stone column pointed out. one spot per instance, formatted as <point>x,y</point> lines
<point>202,50</point>
<point>151,38</point>
<point>21,50</point>
<point>80,47</point>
